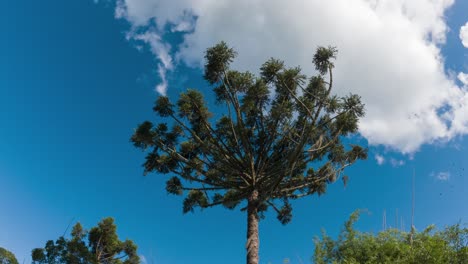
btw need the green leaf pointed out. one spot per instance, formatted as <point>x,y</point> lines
<point>218,59</point>
<point>194,198</point>
<point>163,106</point>
<point>322,58</point>
<point>174,186</point>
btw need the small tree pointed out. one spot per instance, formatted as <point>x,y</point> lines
<point>279,138</point>
<point>100,245</point>
<point>6,257</point>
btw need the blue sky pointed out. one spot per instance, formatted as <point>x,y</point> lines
<point>76,77</point>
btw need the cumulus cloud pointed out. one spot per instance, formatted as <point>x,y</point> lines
<point>380,159</point>
<point>464,35</point>
<point>389,53</point>
<point>463,77</point>
<point>441,176</point>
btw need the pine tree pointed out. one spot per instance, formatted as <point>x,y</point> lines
<point>99,245</point>
<point>279,138</point>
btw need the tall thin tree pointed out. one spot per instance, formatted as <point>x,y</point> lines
<point>279,138</point>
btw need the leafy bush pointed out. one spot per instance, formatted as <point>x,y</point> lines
<point>393,246</point>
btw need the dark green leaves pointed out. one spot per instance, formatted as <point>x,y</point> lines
<point>322,59</point>
<point>38,256</point>
<point>164,163</point>
<point>217,63</point>
<point>193,199</point>
<point>163,106</point>
<point>239,82</point>
<point>270,69</point>
<point>143,136</point>
<point>232,198</point>
<point>357,152</point>
<point>174,186</point>
<point>78,232</point>
<point>285,213</point>
<point>192,106</point>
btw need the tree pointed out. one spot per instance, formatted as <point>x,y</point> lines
<point>6,257</point>
<point>100,245</point>
<point>279,138</point>
<point>393,246</point>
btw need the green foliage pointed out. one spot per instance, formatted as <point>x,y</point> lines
<point>99,245</point>
<point>6,257</point>
<point>393,246</point>
<point>279,136</point>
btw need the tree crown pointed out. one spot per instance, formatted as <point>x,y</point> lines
<point>6,257</point>
<point>280,135</point>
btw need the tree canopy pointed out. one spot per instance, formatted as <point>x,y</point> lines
<point>99,245</point>
<point>6,257</point>
<point>278,138</point>
<point>449,245</point>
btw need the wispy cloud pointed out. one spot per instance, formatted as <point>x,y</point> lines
<point>441,176</point>
<point>380,159</point>
<point>392,161</point>
<point>396,162</point>
<point>143,259</point>
<point>463,77</point>
<point>161,50</point>
<point>464,35</point>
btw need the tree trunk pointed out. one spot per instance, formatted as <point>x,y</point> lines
<point>252,229</point>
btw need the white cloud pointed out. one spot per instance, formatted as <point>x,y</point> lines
<point>464,35</point>
<point>161,50</point>
<point>463,77</point>
<point>380,159</point>
<point>389,53</point>
<point>143,259</point>
<point>120,9</point>
<point>161,88</point>
<point>441,176</point>
<point>396,163</point>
